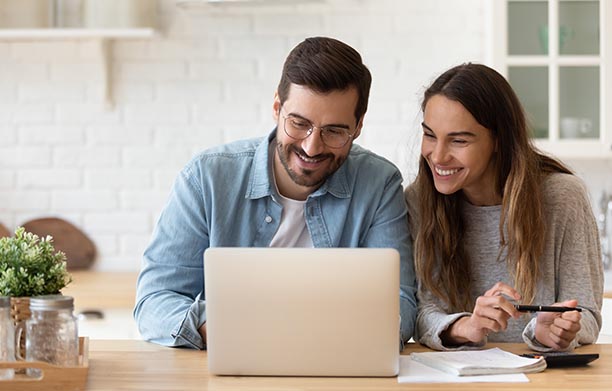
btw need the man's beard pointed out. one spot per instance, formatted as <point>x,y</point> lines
<point>307,178</point>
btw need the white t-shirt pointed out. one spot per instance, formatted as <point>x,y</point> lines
<point>292,231</point>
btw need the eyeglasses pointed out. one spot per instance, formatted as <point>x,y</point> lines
<point>299,129</point>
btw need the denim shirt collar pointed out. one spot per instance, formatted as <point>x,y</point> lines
<point>260,184</point>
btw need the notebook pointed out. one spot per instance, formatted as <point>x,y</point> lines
<point>302,311</point>
<point>480,362</point>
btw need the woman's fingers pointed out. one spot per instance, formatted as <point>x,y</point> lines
<point>498,303</point>
<point>501,288</point>
<point>566,327</point>
<point>492,313</point>
<point>560,328</point>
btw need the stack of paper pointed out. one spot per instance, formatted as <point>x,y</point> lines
<point>412,371</point>
<point>480,362</point>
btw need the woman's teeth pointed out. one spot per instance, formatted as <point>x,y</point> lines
<point>446,172</point>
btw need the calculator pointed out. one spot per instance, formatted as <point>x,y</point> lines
<point>564,359</point>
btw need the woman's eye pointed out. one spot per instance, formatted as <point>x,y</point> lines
<point>459,141</point>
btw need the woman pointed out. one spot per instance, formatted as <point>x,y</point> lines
<point>497,223</point>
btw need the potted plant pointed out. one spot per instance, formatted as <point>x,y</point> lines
<point>30,266</point>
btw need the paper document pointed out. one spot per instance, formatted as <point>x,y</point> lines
<point>480,362</point>
<point>412,371</point>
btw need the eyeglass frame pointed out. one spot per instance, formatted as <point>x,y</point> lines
<point>311,129</point>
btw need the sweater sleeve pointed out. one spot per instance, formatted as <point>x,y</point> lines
<point>578,267</point>
<point>433,320</point>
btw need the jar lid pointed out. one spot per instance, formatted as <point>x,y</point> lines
<point>51,302</point>
<point>5,301</point>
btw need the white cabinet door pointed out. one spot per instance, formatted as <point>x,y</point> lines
<point>605,335</point>
<point>556,56</point>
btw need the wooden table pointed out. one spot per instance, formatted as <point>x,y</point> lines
<point>139,365</point>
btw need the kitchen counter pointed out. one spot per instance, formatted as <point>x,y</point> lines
<point>103,303</point>
<point>113,295</point>
<point>92,289</point>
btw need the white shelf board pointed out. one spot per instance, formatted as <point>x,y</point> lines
<point>76,33</point>
<point>575,149</point>
<point>193,4</point>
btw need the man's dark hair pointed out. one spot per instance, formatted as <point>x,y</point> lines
<point>324,65</point>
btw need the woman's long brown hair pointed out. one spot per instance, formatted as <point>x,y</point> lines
<point>442,263</point>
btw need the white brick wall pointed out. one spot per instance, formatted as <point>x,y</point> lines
<point>208,78</point>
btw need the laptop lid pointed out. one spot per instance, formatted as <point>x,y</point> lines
<point>302,311</point>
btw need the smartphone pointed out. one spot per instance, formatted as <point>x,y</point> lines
<point>564,359</point>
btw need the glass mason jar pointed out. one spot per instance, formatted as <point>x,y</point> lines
<point>51,332</point>
<point>7,337</point>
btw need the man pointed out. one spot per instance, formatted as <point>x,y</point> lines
<point>305,185</point>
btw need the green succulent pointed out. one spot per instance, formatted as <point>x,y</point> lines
<point>30,266</point>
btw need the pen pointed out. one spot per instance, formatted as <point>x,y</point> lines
<point>544,308</point>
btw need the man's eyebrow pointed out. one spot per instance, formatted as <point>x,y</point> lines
<point>463,133</point>
<point>298,116</point>
<point>344,126</point>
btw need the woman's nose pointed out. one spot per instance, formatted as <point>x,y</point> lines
<point>439,153</point>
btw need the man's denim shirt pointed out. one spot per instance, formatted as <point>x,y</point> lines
<point>225,197</point>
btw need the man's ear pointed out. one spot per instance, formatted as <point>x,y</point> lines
<point>358,130</point>
<point>276,106</point>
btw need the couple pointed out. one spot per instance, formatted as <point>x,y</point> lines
<point>492,220</point>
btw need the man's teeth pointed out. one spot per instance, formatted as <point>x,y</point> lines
<point>446,172</point>
<point>308,159</point>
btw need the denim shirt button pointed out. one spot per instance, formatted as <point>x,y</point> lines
<point>268,219</point>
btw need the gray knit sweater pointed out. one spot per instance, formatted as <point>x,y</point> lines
<point>571,265</point>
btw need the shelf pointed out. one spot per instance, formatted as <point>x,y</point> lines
<point>194,4</point>
<point>103,37</point>
<point>575,148</point>
<point>61,33</point>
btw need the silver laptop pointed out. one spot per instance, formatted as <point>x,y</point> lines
<point>302,311</point>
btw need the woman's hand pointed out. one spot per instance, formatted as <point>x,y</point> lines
<point>558,329</point>
<point>490,314</point>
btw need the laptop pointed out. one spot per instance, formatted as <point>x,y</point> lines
<point>302,311</point>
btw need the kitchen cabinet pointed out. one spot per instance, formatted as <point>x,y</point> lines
<point>605,334</point>
<point>556,56</point>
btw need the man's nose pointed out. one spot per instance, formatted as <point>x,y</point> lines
<point>313,144</point>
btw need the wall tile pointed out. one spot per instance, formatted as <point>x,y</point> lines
<point>208,77</point>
